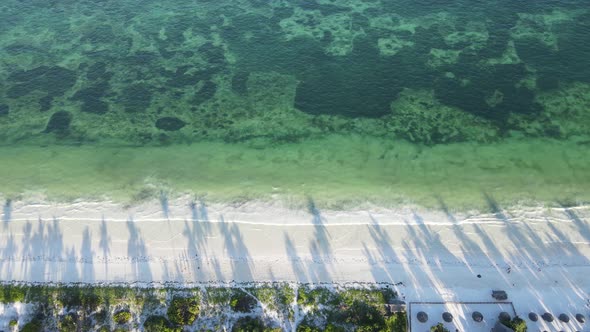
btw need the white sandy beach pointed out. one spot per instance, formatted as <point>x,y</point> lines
<point>540,256</point>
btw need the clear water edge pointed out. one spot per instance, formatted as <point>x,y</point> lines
<point>337,172</point>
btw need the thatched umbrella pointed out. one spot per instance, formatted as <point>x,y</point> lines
<point>477,316</point>
<point>500,295</point>
<point>504,316</point>
<point>564,318</point>
<point>447,317</point>
<point>533,316</point>
<point>422,317</point>
<point>580,318</point>
<point>547,317</point>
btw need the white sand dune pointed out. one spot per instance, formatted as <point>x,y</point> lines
<point>540,256</point>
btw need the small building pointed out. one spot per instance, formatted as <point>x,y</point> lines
<point>499,327</point>
<point>499,295</point>
<point>395,307</point>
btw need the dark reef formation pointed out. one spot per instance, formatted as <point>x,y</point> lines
<point>361,84</point>
<point>170,123</point>
<point>491,93</point>
<point>45,103</point>
<point>4,109</point>
<point>91,98</point>
<point>59,123</point>
<point>136,97</point>
<point>52,80</point>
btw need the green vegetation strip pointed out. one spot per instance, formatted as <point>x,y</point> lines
<point>264,307</point>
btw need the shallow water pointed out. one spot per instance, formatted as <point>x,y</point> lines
<point>344,101</point>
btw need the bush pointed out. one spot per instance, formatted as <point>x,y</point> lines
<point>71,297</point>
<point>439,328</point>
<point>362,309</point>
<point>249,324</point>
<point>99,317</point>
<point>38,293</point>
<point>372,297</point>
<point>13,323</point>
<point>122,317</point>
<point>287,294</point>
<point>80,297</point>
<point>306,327</point>
<point>517,324</point>
<point>159,324</point>
<point>68,323</point>
<point>10,293</point>
<point>361,314</point>
<point>242,302</point>
<point>389,294</point>
<point>275,297</point>
<point>118,293</point>
<point>41,294</point>
<point>333,328</point>
<point>32,326</point>
<point>309,297</point>
<point>91,301</point>
<point>397,322</point>
<point>183,310</point>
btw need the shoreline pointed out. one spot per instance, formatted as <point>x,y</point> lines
<point>261,212</point>
<point>338,173</point>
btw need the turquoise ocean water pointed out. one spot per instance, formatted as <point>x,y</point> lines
<point>344,101</point>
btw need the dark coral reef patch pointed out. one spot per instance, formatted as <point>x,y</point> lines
<point>53,80</point>
<point>59,123</point>
<point>170,123</point>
